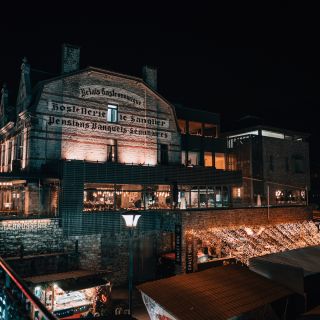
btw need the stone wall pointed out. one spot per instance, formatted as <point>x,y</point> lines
<point>37,236</point>
<point>89,249</point>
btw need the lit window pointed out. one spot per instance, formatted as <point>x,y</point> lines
<point>195,128</point>
<point>183,157</point>
<point>220,161</point>
<point>182,125</point>
<point>112,114</point>
<point>193,158</point>
<point>111,153</point>
<point>208,159</point>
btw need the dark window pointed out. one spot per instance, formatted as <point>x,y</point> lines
<point>195,128</point>
<point>271,166</point>
<point>111,153</point>
<point>287,164</point>
<point>112,113</point>
<point>9,152</point>
<point>19,147</point>
<point>163,154</point>
<point>298,164</point>
<point>210,130</point>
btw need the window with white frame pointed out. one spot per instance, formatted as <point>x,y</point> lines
<point>112,113</point>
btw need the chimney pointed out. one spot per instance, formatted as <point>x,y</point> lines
<point>149,75</point>
<point>3,105</point>
<point>70,58</point>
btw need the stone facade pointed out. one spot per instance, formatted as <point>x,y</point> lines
<point>35,235</point>
<point>73,117</point>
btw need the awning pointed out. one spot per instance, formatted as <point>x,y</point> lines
<point>72,280</point>
<point>216,293</point>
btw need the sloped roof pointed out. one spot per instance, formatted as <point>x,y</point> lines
<point>307,259</point>
<point>216,293</point>
<point>312,314</point>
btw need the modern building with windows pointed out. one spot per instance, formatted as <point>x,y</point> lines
<point>274,164</point>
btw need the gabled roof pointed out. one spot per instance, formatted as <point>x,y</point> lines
<point>104,71</point>
<point>216,293</point>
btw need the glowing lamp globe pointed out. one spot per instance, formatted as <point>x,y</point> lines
<point>131,219</point>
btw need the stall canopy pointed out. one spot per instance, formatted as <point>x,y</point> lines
<point>72,280</point>
<point>216,293</point>
<point>296,269</point>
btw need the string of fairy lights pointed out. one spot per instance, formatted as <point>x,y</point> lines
<point>243,243</point>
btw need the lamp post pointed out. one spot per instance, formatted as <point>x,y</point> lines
<point>131,220</point>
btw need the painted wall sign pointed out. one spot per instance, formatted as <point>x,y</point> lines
<point>178,244</point>
<point>189,253</point>
<point>89,112</point>
<point>117,94</point>
<point>96,120</point>
<point>109,128</point>
<point>150,121</point>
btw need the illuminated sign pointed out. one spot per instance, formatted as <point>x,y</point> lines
<point>189,253</point>
<point>178,244</point>
<point>29,225</point>
<point>112,93</point>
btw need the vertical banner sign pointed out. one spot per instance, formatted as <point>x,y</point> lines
<point>189,253</point>
<point>178,243</point>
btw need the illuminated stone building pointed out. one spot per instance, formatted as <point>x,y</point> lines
<point>89,144</point>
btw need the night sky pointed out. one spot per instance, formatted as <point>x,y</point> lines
<point>236,60</point>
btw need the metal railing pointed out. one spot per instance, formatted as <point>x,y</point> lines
<point>16,299</point>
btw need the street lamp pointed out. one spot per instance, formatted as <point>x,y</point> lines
<point>131,220</point>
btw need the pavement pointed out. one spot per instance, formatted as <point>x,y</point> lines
<point>139,310</point>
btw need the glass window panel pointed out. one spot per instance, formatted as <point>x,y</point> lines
<point>211,197</point>
<point>194,198</point>
<point>203,197</point>
<point>220,161</point>
<point>210,130</point>
<point>183,126</point>
<point>193,158</point>
<point>184,197</point>
<point>98,197</point>
<point>183,157</point>
<point>218,196</point>
<point>208,159</point>
<point>225,196</point>
<point>129,197</point>
<point>195,128</point>
<point>112,113</point>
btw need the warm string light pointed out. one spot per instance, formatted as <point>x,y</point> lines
<point>246,242</point>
